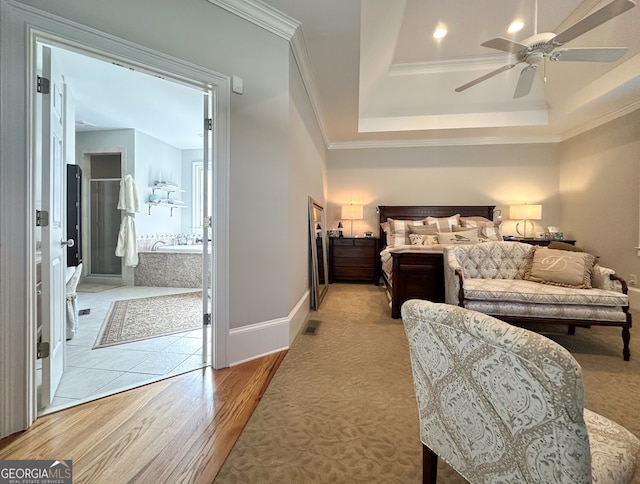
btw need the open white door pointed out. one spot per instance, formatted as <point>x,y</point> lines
<point>207,296</point>
<point>54,241</point>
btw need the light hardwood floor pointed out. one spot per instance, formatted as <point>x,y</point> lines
<point>178,430</point>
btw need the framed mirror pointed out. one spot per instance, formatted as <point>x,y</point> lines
<point>318,265</point>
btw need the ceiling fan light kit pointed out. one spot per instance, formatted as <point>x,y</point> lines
<point>539,47</point>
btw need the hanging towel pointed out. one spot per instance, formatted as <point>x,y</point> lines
<point>128,198</point>
<point>127,245</point>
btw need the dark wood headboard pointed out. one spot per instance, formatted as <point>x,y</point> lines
<point>417,212</point>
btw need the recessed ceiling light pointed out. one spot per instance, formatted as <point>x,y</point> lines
<point>440,32</point>
<point>516,26</point>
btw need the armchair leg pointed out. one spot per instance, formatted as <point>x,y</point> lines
<point>429,466</point>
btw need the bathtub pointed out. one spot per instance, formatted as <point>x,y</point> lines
<point>190,249</point>
<point>170,266</point>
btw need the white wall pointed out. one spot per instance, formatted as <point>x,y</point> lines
<point>155,159</point>
<point>599,186</point>
<point>457,175</point>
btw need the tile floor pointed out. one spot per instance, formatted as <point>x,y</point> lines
<point>91,374</point>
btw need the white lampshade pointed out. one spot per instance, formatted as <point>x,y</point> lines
<point>526,212</point>
<point>352,212</point>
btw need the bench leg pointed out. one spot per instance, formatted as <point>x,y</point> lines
<point>626,337</point>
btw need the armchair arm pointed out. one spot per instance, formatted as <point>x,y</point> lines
<point>605,278</point>
<point>453,277</point>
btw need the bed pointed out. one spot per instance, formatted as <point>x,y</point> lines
<point>417,271</point>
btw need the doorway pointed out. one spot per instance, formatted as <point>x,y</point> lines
<point>101,371</point>
<point>19,36</point>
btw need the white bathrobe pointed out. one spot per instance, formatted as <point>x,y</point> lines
<point>127,245</point>
<point>128,198</point>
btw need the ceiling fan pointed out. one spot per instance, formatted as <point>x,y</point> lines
<point>545,45</point>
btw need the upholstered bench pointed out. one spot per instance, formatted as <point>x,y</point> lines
<point>518,282</point>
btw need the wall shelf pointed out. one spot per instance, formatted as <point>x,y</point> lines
<point>166,202</point>
<point>167,188</point>
<point>172,206</point>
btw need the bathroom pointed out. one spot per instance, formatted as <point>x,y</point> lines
<point>168,224</point>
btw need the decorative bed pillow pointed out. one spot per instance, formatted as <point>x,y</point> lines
<point>386,228</point>
<point>560,267</point>
<point>557,244</point>
<point>487,230</point>
<point>474,218</point>
<point>417,239</point>
<point>422,229</point>
<point>444,224</point>
<point>459,237</point>
<point>399,231</point>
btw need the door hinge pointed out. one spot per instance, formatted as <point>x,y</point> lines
<point>42,85</point>
<point>43,349</point>
<point>208,123</point>
<point>206,221</point>
<point>206,319</point>
<point>42,218</point>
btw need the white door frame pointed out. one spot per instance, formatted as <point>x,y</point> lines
<point>21,27</point>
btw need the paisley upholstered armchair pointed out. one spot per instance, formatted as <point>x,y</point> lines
<point>499,403</point>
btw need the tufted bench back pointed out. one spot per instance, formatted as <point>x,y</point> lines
<point>492,260</point>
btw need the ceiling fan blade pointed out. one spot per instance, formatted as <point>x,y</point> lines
<point>525,82</point>
<point>485,77</point>
<point>601,16</point>
<point>604,54</point>
<point>504,45</point>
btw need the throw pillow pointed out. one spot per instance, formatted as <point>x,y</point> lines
<point>399,231</point>
<point>487,230</point>
<point>422,229</point>
<point>459,237</point>
<point>556,244</point>
<point>560,267</point>
<point>417,239</point>
<point>444,224</point>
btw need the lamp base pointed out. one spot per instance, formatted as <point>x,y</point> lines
<point>524,223</point>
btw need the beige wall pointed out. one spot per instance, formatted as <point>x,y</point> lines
<point>599,181</point>
<point>307,174</point>
<point>457,175</point>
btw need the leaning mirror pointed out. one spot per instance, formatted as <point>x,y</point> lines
<point>318,266</point>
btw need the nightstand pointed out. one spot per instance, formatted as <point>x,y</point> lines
<point>543,242</point>
<point>353,259</point>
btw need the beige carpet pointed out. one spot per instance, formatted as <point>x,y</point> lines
<point>149,317</point>
<point>341,408</point>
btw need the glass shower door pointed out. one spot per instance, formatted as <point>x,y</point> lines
<point>105,225</point>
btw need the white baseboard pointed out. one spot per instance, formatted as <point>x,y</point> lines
<point>634,298</point>
<point>261,339</point>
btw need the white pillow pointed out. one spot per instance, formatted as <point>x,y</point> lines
<point>444,224</point>
<point>399,231</point>
<point>460,237</point>
<point>417,239</point>
<point>486,230</point>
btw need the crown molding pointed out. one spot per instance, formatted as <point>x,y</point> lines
<point>301,56</point>
<point>605,118</point>
<point>278,23</point>
<point>459,64</point>
<point>429,143</point>
<point>261,15</point>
